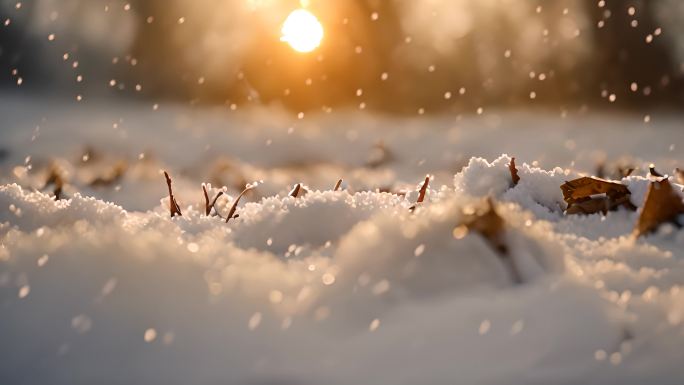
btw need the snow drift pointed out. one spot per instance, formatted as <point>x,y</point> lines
<point>339,287</point>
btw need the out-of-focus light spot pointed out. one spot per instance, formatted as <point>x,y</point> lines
<point>381,287</point>
<point>43,260</point>
<point>24,291</point>
<point>374,325</point>
<point>600,355</point>
<point>460,232</point>
<point>484,327</point>
<point>328,279</point>
<point>150,335</point>
<point>302,31</point>
<point>275,296</point>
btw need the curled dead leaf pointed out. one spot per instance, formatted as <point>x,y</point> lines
<point>588,195</point>
<point>484,220</point>
<point>662,204</point>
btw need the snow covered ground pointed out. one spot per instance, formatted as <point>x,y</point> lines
<point>333,287</point>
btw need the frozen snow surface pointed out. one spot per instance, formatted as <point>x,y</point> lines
<point>332,287</point>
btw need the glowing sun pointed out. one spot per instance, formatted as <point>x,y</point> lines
<point>302,31</point>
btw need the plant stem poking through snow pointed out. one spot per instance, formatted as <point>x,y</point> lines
<point>55,177</point>
<point>653,172</point>
<point>514,172</point>
<point>233,208</point>
<point>421,193</point>
<point>338,185</point>
<point>112,177</point>
<point>296,190</point>
<point>490,225</point>
<point>662,204</point>
<point>208,206</point>
<point>173,205</point>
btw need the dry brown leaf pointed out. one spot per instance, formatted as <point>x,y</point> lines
<point>489,224</point>
<point>514,172</point>
<point>581,195</point>
<point>662,204</point>
<point>173,205</point>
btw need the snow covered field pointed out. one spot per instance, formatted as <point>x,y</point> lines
<point>332,287</point>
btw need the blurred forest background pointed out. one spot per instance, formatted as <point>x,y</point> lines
<point>398,56</point>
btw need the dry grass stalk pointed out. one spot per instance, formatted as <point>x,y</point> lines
<point>421,193</point>
<point>173,205</point>
<point>624,172</point>
<point>233,208</point>
<point>207,204</point>
<point>653,172</point>
<point>514,172</point>
<point>662,204</point>
<point>111,178</point>
<point>55,178</point>
<point>296,191</point>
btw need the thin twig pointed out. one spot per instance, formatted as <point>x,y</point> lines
<point>337,185</point>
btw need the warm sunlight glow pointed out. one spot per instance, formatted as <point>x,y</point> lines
<point>302,31</point>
